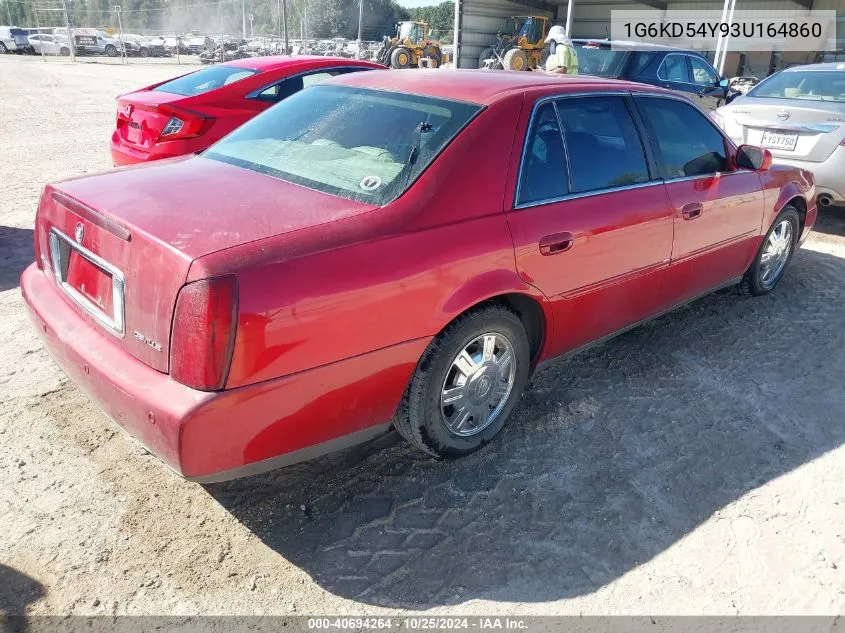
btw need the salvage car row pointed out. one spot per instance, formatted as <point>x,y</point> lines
<point>55,41</point>
<point>334,267</point>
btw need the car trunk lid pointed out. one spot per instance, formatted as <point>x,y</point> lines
<point>120,244</point>
<point>141,117</point>
<point>804,130</point>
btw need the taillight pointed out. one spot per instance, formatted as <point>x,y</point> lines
<point>204,326</point>
<point>183,123</point>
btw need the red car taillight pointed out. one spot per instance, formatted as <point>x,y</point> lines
<point>204,326</point>
<point>183,124</point>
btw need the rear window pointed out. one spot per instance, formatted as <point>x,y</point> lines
<point>365,145</point>
<point>599,60</point>
<point>205,80</point>
<point>811,85</point>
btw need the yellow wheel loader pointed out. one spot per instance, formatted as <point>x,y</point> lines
<point>520,45</point>
<point>411,46</point>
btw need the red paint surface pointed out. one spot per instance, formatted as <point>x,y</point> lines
<point>136,137</point>
<point>337,300</point>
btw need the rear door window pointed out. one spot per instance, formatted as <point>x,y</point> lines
<point>687,143</point>
<point>544,175</point>
<point>674,68</point>
<point>602,143</point>
<point>702,73</point>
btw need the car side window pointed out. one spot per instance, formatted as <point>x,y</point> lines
<point>674,68</point>
<point>687,143</point>
<point>315,78</point>
<point>543,175</point>
<point>291,85</point>
<point>702,73</point>
<point>602,143</point>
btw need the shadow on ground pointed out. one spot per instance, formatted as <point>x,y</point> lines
<point>16,253</point>
<point>610,459</point>
<point>17,591</point>
<point>831,221</point>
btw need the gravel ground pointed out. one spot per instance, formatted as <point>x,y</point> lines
<point>694,465</point>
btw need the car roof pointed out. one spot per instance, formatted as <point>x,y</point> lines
<point>272,62</point>
<point>480,86</point>
<point>822,66</point>
<point>630,45</point>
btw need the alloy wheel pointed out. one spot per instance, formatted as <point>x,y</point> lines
<point>478,384</point>
<point>776,253</point>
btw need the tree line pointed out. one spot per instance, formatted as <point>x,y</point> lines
<point>321,18</point>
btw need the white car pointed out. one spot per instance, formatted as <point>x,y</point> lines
<point>743,84</point>
<point>49,44</point>
<point>797,114</point>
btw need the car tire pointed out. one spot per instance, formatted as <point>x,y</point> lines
<point>774,254</point>
<point>64,52</point>
<point>3,49</point>
<point>515,59</point>
<point>449,413</point>
<point>400,58</point>
<point>111,50</point>
<point>144,52</point>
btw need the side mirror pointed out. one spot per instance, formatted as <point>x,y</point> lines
<point>724,83</point>
<point>754,158</point>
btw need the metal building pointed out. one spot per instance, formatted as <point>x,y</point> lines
<point>478,21</point>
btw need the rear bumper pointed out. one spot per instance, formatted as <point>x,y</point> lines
<point>122,154</point>
<point>222,435</point>
<point>829,175</point>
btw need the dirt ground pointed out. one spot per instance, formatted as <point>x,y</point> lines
<point>692,466</point>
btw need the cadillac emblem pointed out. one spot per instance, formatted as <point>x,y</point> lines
<point>80,232</point>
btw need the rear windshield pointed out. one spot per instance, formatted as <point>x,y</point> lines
<point>599,60</point>
<point>365,145</point>
<point>811,85</point>
<point>205,80</point>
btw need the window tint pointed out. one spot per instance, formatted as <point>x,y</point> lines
<point>702,73</point>
<point>315,78</point>
<point>602,143</point>
<point>544,166</point>
<point>594,59</point>
<point>687,143</point>
<point>674,68</point>
<point>291,85</point>
<point>639,62</point>
<point>205,80</point>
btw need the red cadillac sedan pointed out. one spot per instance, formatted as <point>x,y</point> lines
<point>394,249</point>
<point>187,114</point>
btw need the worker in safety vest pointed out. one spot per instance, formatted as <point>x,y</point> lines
<point>563,60</point>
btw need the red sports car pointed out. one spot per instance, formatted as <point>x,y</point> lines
<point>394,249</point>
<point>187,114</point>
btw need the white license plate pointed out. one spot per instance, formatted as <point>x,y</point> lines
<point>778,140</point>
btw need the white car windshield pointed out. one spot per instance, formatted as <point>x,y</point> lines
<point>365,145</point>
<point>811,85</point>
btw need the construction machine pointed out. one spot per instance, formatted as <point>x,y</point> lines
<point>520,45</point>
<point>411,47</point>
